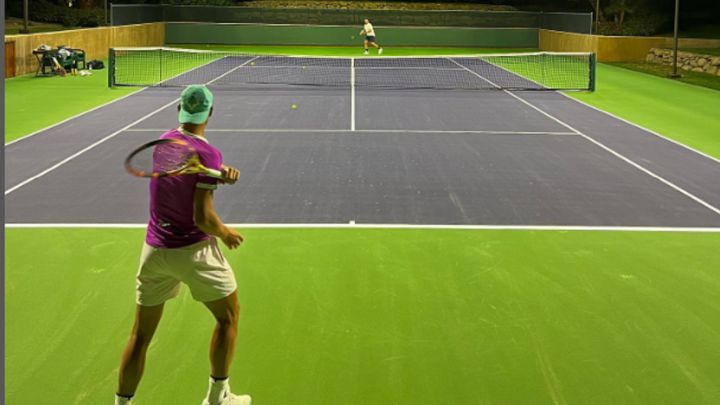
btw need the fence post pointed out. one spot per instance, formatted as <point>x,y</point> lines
<point>593,65</point>
<point>26,17</point>
<point>111,68</point>
<point>676,35</point>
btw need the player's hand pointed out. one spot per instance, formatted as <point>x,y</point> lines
<point>230,175</point>
<point>232,238</point>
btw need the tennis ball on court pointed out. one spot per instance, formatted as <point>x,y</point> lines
<point>252,63</point>
<point>294,106</point>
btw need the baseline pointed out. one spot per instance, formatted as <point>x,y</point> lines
<point>354,225</point>
<point>398,131</point>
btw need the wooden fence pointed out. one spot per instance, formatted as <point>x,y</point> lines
<point>9,59</point>
<point>95,42</point>
<point>614,49</point>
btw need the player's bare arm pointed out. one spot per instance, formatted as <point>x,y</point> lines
<point>208,221</point>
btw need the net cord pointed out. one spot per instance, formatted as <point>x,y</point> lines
<point>231,53</point>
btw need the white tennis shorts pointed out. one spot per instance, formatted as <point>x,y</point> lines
<point>201,266</point>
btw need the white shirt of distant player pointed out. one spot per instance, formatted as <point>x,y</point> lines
<point>369,31</point>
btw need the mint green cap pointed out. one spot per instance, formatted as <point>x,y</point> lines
<point>195,103</point>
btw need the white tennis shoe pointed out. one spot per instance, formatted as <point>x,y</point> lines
<point>232,399</point>
<point>380,51</point>
<point>365,53</point>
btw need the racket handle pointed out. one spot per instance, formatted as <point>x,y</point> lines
<point>214,173</point>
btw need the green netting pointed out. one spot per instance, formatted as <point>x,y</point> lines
<point>572,22</point>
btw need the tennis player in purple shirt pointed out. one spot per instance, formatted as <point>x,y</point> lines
<point>181,247</point>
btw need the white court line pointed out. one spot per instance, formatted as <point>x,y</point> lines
<point>231,70</point>
<point>73,117</point>
<point>399,131</point>
<point>98,107</point>
<point>228,130</point>
<point>606,148</point>
<point>352,94</point>
<point>471,131</point>
<point>650,131</point>
<point>91,146</point>
<point>353,225</point>
<point>112,135</point>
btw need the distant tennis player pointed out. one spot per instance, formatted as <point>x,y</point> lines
<point>369,33</point>
<point>180,247</point>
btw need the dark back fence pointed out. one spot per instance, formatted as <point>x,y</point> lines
<point>122,14</point>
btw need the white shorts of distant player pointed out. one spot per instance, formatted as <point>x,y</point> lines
<point>200,266</point>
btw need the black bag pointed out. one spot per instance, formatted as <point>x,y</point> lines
<point>95,64</point>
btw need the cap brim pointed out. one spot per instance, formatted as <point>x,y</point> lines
<point>198,118</point>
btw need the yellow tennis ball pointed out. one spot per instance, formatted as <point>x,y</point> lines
<point>303,67</point>
<point>252,63</point>
<point>294,106</point>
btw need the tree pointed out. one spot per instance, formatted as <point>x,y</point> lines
<point>618,9</point>
<point>598,11</point>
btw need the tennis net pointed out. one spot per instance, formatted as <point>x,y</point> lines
<point>173,67</point>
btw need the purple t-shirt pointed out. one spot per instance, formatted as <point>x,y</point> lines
<point>171,198</point>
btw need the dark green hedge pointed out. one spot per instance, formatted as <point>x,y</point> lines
<point>637,26</point>
<point>45,11</point>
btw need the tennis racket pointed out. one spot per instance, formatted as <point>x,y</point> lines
<point>165,158</point>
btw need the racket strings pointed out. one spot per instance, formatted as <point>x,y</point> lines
<point>169,157</point>
<point>160,158</point>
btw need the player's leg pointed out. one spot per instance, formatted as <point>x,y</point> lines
<point>155,285</point>
<point>211,281</point>
<point>133,358</point>
<point>222,349</point>
<point>375,44</point>
<point>222,346</point>
<point>365,46</point>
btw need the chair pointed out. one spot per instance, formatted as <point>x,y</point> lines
<point>73,60</point>
<point>79,56</point>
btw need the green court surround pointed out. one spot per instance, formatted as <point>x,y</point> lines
<point>358,316</point>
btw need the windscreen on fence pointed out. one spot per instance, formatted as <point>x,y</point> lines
<point>139,13</point>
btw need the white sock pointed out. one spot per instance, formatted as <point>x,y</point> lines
<point>122,400</point>
<point>217,390</point>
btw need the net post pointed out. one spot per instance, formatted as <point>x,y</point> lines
<point>111,68</point>
<point>352,94</point>
<point>593,63</point>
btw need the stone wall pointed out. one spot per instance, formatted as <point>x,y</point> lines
<point>686,61</point>
<point>614,49</point>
